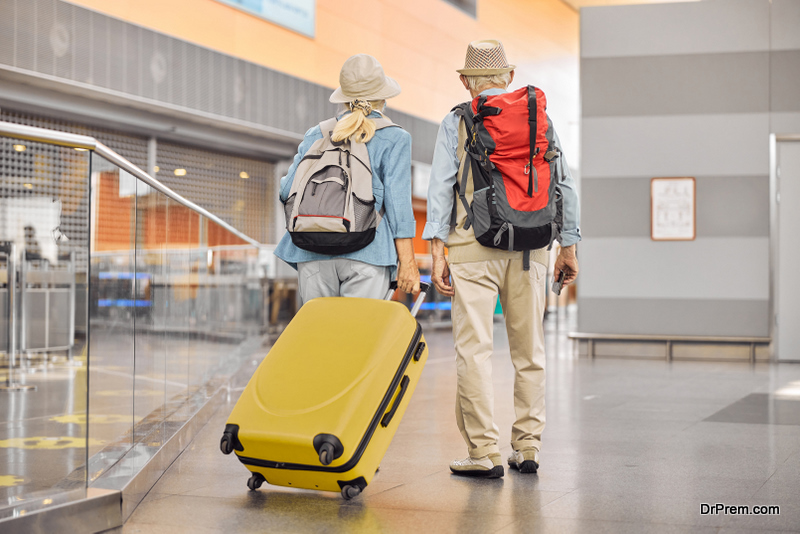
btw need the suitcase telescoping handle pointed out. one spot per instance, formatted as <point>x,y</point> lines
<point>424,287</point>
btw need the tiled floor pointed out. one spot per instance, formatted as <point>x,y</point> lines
<point>629,447</point>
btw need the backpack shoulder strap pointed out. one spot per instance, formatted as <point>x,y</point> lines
<point>466,164</point>
<point>532,126</point>
<point>317,149</point>
<point>327,126</point>
<point>461,107</point>
<point>384,122</point>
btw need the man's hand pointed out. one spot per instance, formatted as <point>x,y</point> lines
<point>407,272</point>
<point>440,273</point>
<point>567,262</point>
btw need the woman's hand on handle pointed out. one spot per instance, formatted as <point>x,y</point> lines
<point>407,272</point>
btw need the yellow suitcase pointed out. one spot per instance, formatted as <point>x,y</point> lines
<point>324,404</point>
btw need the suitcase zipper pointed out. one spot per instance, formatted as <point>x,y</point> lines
<point>376,419</point>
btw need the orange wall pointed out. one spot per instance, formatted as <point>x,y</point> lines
<point>420,246</point>
<point>113,228</point>
<point>175,227</point>
<point>419,42</point>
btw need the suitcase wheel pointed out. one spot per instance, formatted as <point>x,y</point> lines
<point>226,444</point>
<point>326,454</point>
<point>230,440</point>
<point>348,492</point>
<point>255,481</point>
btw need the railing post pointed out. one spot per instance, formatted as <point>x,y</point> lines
<point>72,290</point>
<point>11,383</point>
<point>23,303</point>
<point>47,286</point>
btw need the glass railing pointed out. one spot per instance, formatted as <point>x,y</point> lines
<point>121,307</point>
<point>44,249</point>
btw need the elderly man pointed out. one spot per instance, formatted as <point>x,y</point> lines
<point>500,192</point>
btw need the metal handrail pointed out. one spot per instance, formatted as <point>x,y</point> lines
<point>215,248</point>
<point>55,137</point>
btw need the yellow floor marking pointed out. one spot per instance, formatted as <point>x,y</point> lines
<point>10,480</point>
<point>49,443</point>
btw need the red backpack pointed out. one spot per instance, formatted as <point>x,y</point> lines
<point>512,154</point>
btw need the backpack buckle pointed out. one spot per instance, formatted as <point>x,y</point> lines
<point>499,235</point>
<point>527,169</point>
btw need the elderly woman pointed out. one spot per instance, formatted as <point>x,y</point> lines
<point>365,272</point>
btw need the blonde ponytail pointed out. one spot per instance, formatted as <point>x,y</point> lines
<point>356,126</point>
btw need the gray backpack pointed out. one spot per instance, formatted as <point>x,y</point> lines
<point>331,209</point>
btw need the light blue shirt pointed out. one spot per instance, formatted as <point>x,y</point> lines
<point>390,157</point>
<point>443,175</point>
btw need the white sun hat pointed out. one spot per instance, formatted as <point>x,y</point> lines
<point>362,78</point>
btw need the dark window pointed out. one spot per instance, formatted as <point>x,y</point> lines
<point>469,7</point>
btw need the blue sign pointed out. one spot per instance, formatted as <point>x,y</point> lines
<point>297,15</point>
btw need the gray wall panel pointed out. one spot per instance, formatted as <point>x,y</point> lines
<point>785,80</point>
<point>787,283</point>
<point>664,29</point>
<point>737,318</point>
<point>727,206</point>
<point>682,89</point>
<point>785,122</point>
<point>733,206</point>
<point>615,207</point>
<point>7,23</point>
<point>677,145</point>
<point>785,28</point>
<point>675,85</point>
<point>710,268</point>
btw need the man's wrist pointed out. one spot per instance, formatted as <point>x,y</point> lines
<point>437,248</point>
<point>568,251</point>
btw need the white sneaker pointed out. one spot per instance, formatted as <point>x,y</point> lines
<point>490,466</point>
<point>525,460</point>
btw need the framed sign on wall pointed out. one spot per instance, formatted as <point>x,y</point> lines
<point>672,209</point>
<point>297,15</point>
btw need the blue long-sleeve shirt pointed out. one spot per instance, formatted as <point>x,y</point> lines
<point>390,158</point>
<point>443,175</point>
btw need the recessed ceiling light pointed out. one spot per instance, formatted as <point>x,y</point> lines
<point>180,172</point>
<point>28,186</point>
<point>20,148</point>
<point>156,168</point>
<point>244,175</point>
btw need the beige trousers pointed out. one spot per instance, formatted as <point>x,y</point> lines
<point>522,296</point>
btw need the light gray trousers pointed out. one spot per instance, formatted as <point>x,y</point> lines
<point>342,278</point>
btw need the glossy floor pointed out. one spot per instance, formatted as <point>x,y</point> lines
<point>43,433</point>
<point>630,446</point>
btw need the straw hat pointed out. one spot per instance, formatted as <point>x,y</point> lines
<point>485,58</point>
<point>362,77</point>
